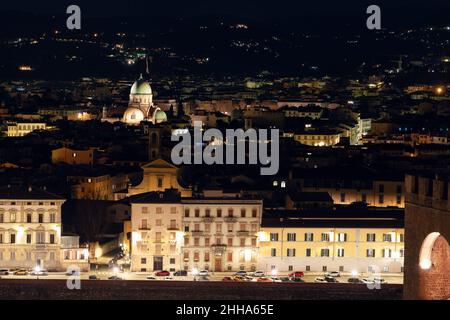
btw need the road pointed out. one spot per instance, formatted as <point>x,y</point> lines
<point>103,275</point>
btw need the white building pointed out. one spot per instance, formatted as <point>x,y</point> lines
<point>173,233</point>
<point>30,228</point>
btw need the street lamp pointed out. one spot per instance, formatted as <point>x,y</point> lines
<point>354,273</point>
<point>37,270</point>
<point>195,273</point>
<point>274,272</point>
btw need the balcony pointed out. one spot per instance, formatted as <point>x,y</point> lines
<point>40,246</point>
<point>196,233</point>
<point>144,228</point>
<point>207,219</point>
<point>173,227</point>
<point>230,219</point>
<point>243,233</point>
<point>218,248</point>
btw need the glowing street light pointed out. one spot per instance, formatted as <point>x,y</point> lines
<point>354,273</point>
<point>37,270</point>
<point>195,273</point>
<point>274,272</point>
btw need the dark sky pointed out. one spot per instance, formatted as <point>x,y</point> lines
<point>248,8</point>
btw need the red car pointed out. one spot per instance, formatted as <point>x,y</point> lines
<point>162,273</point>
<point>296,274</point>
<point>227,279</point>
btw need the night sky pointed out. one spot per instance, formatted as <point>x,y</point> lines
<point>409,9</point>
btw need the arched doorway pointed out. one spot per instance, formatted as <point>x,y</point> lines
<point>434,264</point>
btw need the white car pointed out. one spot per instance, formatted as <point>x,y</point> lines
<point>257,274</point>
<point>368,281</point>
<point>333,274</point>
<point>274,279</point>
<point>320,280</point>
<point>203,273</point>
<point>168,278</point>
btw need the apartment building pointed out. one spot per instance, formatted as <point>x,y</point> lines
<point>371,241</point>
<point>172,233</point>
<point>30,228</point>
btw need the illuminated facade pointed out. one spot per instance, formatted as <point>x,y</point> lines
<point>30,228</point>
<point>317,139</point>
<point>21,129</point>
<point>173,233</point>
<point>319,244</point>
<point>72,156</point>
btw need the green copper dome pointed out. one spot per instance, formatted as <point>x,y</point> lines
<point>141,86</point>
<point>160,116</point>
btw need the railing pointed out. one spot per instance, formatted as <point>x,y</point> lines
<point>243,233</point>
<point>173,227</point>
<point>207,219</point>
<point>197,233</point>
<point>144,228</point>
<point>230,219</point>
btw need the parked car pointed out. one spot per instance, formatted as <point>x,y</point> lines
<point>297,280</point>
<point>163,273</point>
<point>42,272</point>
<point>297,274</point>
<point>241,273</point>
<point>151,278</point>
<point>368,281</point>
<point>203,278</point>
<point>169,278</point>
<point>379,280</point>
<point>239,279</point>
<point>355,280</point>
<point>331,280</point>
<point>320,280</point>
<point>180,273</point>
<point>287,279</point>
<point>71,273</point>
<point>4,272</point>
<point>227,279</point>
<point>93,277</point>
<point>333,274</point>
<point>203,273</point>
<point>114,278</point>
<point>275,279</point>
<point>258,274</point>
<point>20,272</point>
<point>264,279</point>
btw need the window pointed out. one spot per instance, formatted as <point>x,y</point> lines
<point>364,197</point>
<point>308,252</point>
<point>371,237</point>
<point>370,253</point>
<point>1,237</point>
<point>324,252</point>
<point>12,217</point>
<point>160,182</point>
<point>196,242</point>
<point>253,242</point>
<point>340,252</point>
<point>52,218</point>
<point>207,242</point>
<point>243,213</point>
<point>325,237</point>
<point>254,213</point>
<point>342,197</point>
<point>52,238</point>
<point>291,237</point>
<point>219,213</point>
<point>387,253</point>
<point>242,242</point>
<point>144,210</point>
<point>143,260</point>
<point>324,268</point>
<point>274,237</point>
<point>158,222</point>
<point>386,269</point>
<point>206,256</point>
<point>230,256</point>
<point>29,218</point>
<point>186,228</point>
<point>402,237</point>
<point>197,213</point>
<point>273,252</point>
<point>172,261</point>
<point>40,237</point>
<point>196,256</point>
<point>207,213</point>
<point>186,213</point>
<point>230,227</point>
<point>159,210</point>
<point>230,242</point>
<point>342,237</point>
<point>308,268</point>
<point>186,256</point>
<point>290,252</point>
<point>309,236</point>
<point>290,268</point>
<point>381,199</point>
<point>1,218</point>
<point>387,237</point>
<point>41,218</point>
<point>12,238</point>
<point>230,213</point>
<point>402,253</point>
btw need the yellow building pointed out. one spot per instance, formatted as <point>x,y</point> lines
<point>318,139</point>
<point>159,175</point>
<point>21,129</point>
<point>73,156</point>
<point>371,241</point>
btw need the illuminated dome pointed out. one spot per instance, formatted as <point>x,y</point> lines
<point>160,116</point>
<point>133,116</point>
<point>141,87</point>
